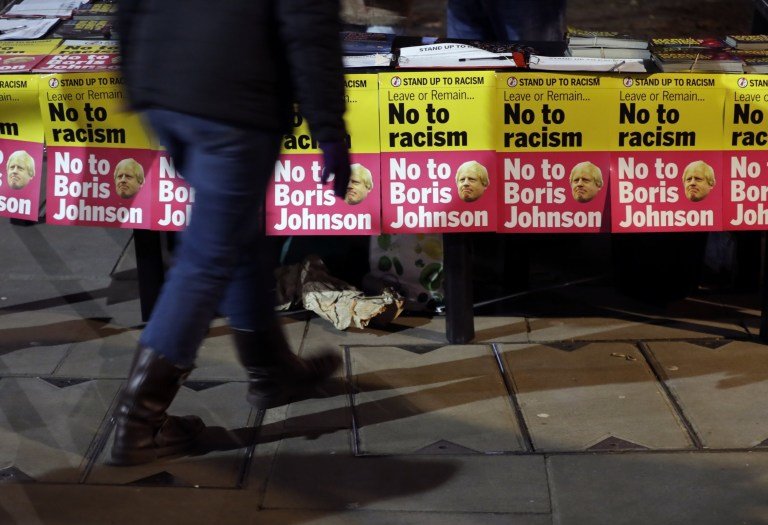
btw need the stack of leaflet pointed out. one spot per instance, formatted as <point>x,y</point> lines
<point>25,28</point>
<point>460,56</point>
<point>43,8</point>
<point>605,65</point>
<point>605,44</point>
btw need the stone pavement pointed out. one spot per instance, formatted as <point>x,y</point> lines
<point>577,406</point>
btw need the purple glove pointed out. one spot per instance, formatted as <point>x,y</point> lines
<point>336,159</point>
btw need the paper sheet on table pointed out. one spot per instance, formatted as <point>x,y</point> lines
<point>25,29</point>
<point>606,65</point>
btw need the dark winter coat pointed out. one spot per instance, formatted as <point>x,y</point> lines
<point>241,61</point>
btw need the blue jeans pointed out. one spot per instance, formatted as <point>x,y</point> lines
<point>506,20</point>
<point>223,263</point>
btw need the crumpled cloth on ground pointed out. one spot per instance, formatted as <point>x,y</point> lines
<point>310,285</point>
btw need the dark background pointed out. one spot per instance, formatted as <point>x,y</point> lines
<point>640,17</point>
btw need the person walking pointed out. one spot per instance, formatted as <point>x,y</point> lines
<point>505,20</point>
<point>217,83</point>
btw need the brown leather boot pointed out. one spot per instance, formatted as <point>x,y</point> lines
<point>275,373</point>
<point>143,431</point>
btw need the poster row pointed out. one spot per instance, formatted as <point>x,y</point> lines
<point>431,152</point>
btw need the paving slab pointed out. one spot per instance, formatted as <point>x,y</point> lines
<point>580,396</point>
<point>47,426</point>
<point>322,474</point>
<point>404,330</point>
<point>673,489</point>
<point>357,517</point>
<point>108,356</point>
<point>35,342</point>
<point>428,399</point>
<point>56,252</point>
<point>501,329</point>
<point>52,504</point>
<point>220,461</point>
<point>722,389</point>
<point>614,329</point>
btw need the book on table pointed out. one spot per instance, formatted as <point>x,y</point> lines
<point>608,52</point>
<point>361,43</point>
<point>604,39</point>
<point>755,64</point>
<point>687,43</point>
<point>361,61</point>
<point>697,61</point>
<point>96,9</point>
<point>747,41</point>
<point>97,28</point>
<point>755,60</point>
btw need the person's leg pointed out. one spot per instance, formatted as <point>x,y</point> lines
<point>528,20</point>
<point>468,19</point>
<point>276,375</point>
<point>228,168</point>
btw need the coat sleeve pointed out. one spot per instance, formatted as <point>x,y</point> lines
<point>309,30</point>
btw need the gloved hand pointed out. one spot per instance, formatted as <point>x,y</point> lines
<point>336,159</point>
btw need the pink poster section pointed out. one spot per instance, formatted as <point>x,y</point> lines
<point>667,191</point>
<point>560,192</point>
<point>745,190</point>
<point>99,187</point>
<point>439,192</point>
<point>21,166</point>
<point>172,204</point>
<point>298,203</point>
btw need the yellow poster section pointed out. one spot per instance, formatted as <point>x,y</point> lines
<point>28,47</point>
<point>436,111</point>
<point>86,47</point>
<point>539,112</point>
<point>89,109</point>
<point>19,109</point>
<point>19,56</point>
<point>746,110</point>
<point>361,95</point>
<point>664,112</point>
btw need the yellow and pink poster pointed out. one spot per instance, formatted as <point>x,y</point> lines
<point>21,147</point>
<point>100,158</point>
<point>438,159</point>
<point>667,170</point>
<point>553,157</point>
<point>81,56</point>
<point>745,163</point>
<point>21,56</point>
<point>298,203</point>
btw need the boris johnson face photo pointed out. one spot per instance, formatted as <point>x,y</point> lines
<point>698,180</point>
<point>20,169</point>
<point>471,181</point>
<point>586,181</point>
<point>359,185</point>
<point>129,178</point>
